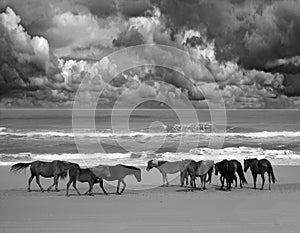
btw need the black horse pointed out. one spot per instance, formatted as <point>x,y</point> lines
<point>227,172</point>
<point>90,175</point>
<point>260,167</point>
<point>57,169</point>
<point>239,170</point>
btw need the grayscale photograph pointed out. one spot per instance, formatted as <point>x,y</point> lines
<point>145,116</point>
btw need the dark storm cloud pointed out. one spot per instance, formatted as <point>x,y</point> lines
<point>292,83</point>
<point>255,32</point>
<point>249,47</point>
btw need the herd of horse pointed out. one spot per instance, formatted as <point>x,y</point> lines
<point>189,171</point>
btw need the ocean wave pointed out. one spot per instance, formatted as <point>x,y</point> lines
<point>146,133</point>
<point>2,129</point>
<point>265,134</point>
<point>282,157</point>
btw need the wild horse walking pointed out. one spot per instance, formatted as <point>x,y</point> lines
<point>119,172</point>
<point>165,167</point>
<point>91,175</point>
<point>260,167</point>
<point>57,169</point>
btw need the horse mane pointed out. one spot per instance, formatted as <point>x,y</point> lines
<point>251,160</point>
<point>160,162</point>
<point>130,167</point>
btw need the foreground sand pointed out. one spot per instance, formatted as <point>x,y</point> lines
<point>155,210</point>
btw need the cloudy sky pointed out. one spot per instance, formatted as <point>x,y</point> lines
<point>248,52</point>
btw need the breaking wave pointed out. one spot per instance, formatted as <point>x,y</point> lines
<point>204,129</point>
<point>279,157</point>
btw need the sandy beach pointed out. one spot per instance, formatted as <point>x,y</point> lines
<point>159,209</point>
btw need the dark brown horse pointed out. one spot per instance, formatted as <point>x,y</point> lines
<point>119,172</point>
<point>227,171</point>
<point>260,167</point>
<point>91,175</point>
<point>202,169</point>
<point>239,170</point>
<point>57,169</point>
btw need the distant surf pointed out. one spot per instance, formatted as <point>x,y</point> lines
<point>279,157</point>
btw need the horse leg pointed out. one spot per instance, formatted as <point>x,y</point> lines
<point>222,182</point>
<point>124,186</point>
<point>254,180</point>
<point>118,187</point>
<point>235,179</point>
<point>102,187</point>
<point>167,182</point>
<point>182,176</point>
<point>163,177</point>
<point>229,181</point>
<point>75,187</point>
<point>263,181</point>
<point>201,179</point>
<point>51,186</point>
<point>56,183</point>
<point>241,184</point>
<point>269,174</point>
<point>91,185</point>
<point>29,182</point>
<point>68,185</point>
<point>37,179</point>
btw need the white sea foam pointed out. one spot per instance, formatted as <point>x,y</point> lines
<point>279,157</point>
<point>2,129</point>
<point>105,134</point>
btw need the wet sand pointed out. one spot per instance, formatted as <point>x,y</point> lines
<point>159,209</point>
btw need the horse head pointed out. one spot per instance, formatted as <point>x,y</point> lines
<point>246,165</point>
<point>217,168</point>
<point>151,164</point>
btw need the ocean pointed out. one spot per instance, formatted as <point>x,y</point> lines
<point>41,134</point>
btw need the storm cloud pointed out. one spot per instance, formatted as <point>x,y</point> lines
<point>247,52</point>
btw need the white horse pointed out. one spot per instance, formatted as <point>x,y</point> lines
<point>166,167</point>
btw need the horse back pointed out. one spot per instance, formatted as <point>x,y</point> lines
<point>45,169</point>
<point>171,167</point>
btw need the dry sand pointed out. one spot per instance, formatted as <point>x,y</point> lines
<point>156,210</point>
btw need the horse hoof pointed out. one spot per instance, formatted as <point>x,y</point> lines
<point>29,190</point>
<point>57,190</point>
<point>42,190</point>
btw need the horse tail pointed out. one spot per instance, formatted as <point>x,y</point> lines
<point>209,173</point>
<point>271,172</point>
<point>241,173</point>
<point>19,167</point>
